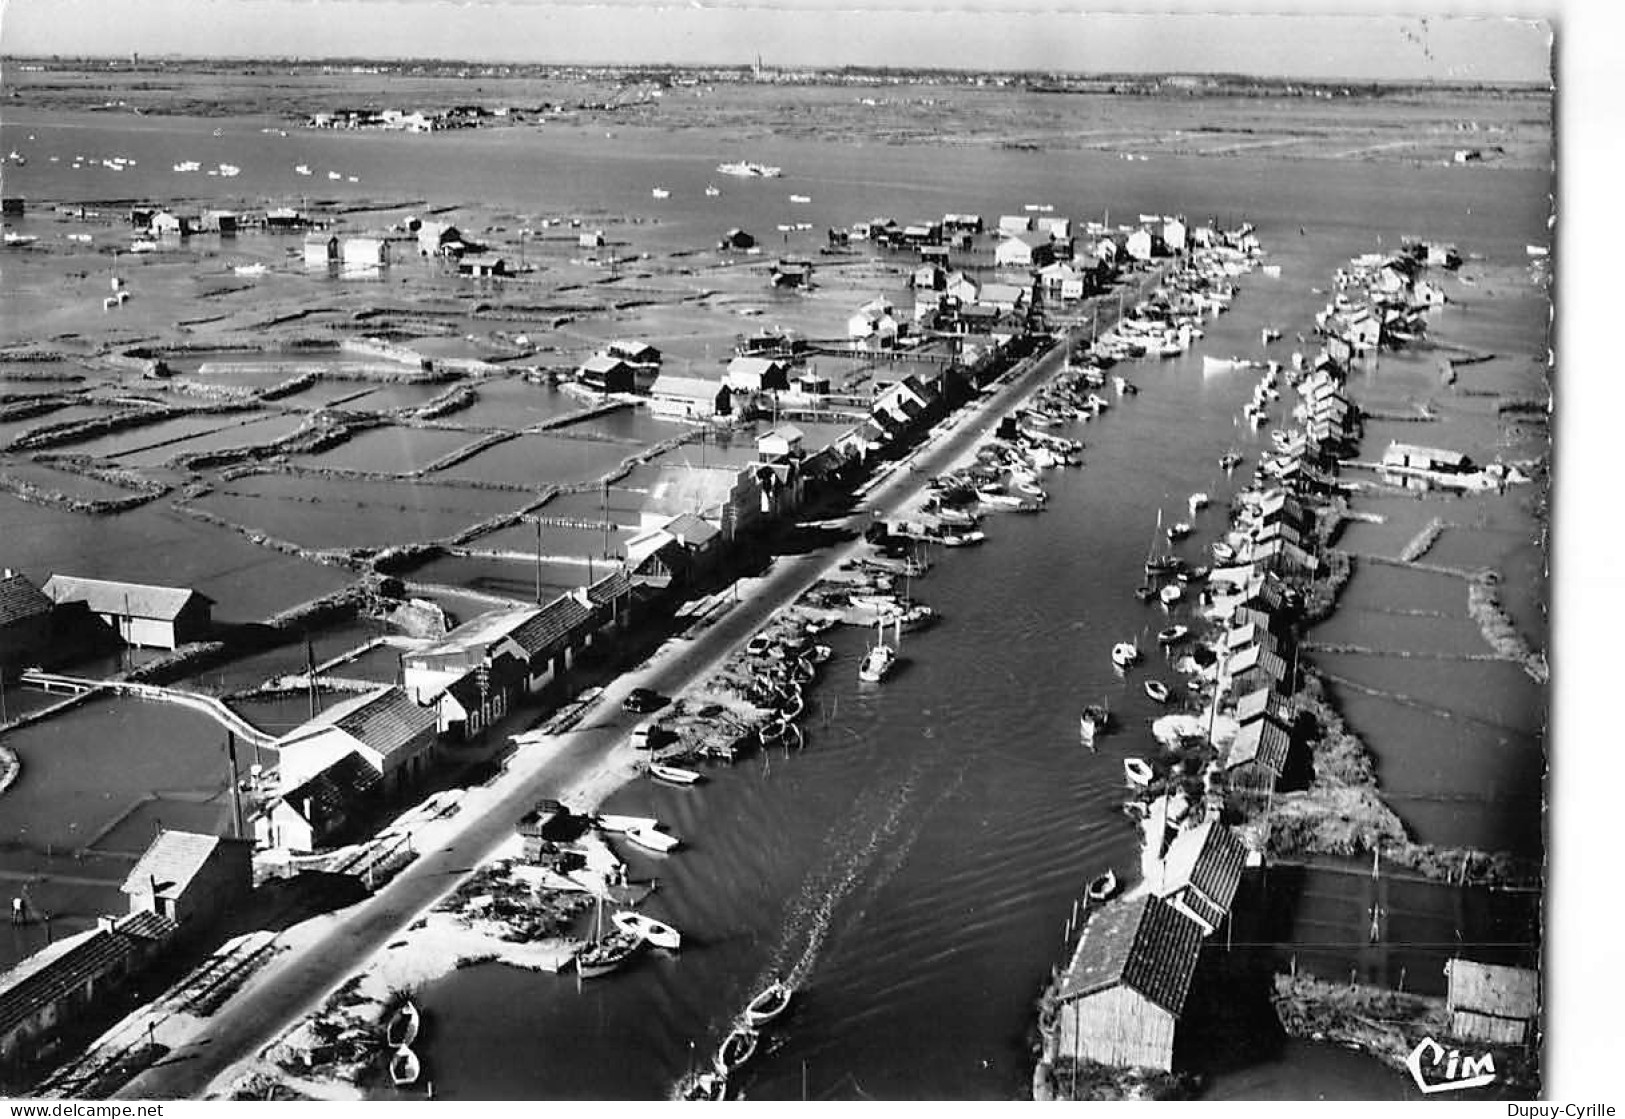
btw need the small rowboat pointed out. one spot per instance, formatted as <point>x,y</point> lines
<point>1125,653</point>
<point>1157,690</point>
<point>613,823</point>
<point>402,1028</point>
<point>1170,594</point>
<point>651,837</point>
<point>772,1001</point>
<point>707,1086</point>
<point>674,774</point>
<point>1137,771</point>
<point>657,933</point>
<point>1103,887</point>
<point>1178,530</point>
<point>1172,635</point>
<point>737,1048</point>
<point>404,1068</point>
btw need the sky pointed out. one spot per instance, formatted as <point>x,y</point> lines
<point>1418,40</point>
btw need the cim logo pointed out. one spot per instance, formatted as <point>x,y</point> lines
<point>1460,1073</point>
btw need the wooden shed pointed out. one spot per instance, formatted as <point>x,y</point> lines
<point>1492,1002</point>
<point>1126,984</point>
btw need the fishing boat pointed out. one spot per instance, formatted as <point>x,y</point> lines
<point>712,192</point>
<point>1125,653</point>
<point>1269,334</point>
<point>1157,690</point>
<point>659,192</point>
<point>1159,564</point>
<point>800,198</point>
<point>963,539</point>
<point>1230,460</point>
<point>302,168</point>
<point>1211,364</point>
<point>737,1048</point>
<point>404,1067</point>
<point>1172,635</point>
<point>1102,888</point>
<point>1171,594</point>
<point>1137,771</point>
<point>880,659</point>
<point>652,838</point>
<point>770,1002</point>
<point>657,933</point>
<point>606,952</point>
<point>403,1025</point>
<point>818,654</point>
<point>674,774</point>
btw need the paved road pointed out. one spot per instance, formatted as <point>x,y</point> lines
<point>297,981</point>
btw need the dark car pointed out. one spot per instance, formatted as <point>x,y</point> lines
<point>642,700</point>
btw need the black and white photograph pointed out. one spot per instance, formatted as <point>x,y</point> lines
<point>790,550</point>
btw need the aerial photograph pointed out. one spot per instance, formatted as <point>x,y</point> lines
<point>775,550</point>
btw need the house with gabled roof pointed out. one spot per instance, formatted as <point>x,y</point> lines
<point>190,877</point>
<point>391,731</point>
<point>1258,755</point>
<point>758,374</point>
<point>25,622</point>
<point>1126,984</point>
<point>676,397</point>
<point>142,614</point>
<point>1200,873</point>
<point>315,813</point>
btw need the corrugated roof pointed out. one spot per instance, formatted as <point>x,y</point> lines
<point>137,600</point>
<point>20,599</point>
<point>1207,858</point>
<point>1142,943</point>
<point>101,953</point>
<point>170,862</point>
<point>386,720</point>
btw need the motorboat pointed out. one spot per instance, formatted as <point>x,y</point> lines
<point>1157,690</point>
<point>737,1048</point>
<point>1230,460</point>
<point>877,663</point>
<point>1171,594</point>
<point>1179,530</point>
<point>1137,771</point>
<point>1172,635</point>
<point>712,192</point>
<point>657,933</point>
<point>963,539</point>
<point>674,774</point>
<point>800,198</point>
<point>818,654</point>
<point>651,838</point>
<point>1125,653</point>
<point>1103,887</point>
<point>404,1067</point>
<point>300,168</point>
<point>403,1025</point>
<point>770,1002</point>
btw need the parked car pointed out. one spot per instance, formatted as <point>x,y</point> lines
<point>644,700</point>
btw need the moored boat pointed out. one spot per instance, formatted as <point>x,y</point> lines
<point>606,821</point>
<point>1094,719</point>
<point>1103,887</point>
<point>1179,530</point>
<point>651,837</point>
<point>1157,690</point>
<point>674,774</point>
<point>657,933</point>
<point>737,1048</point>
<point>1172,634</point>
<point>1170,594</point>
<point>1125,653</point>
<point>1137,771</point>
<point>404,1067</point>
<point>770,1002</point>
<point>705,1086</point>
<point>403,1025</point>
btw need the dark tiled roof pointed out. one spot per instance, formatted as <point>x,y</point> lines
<point>1207,858</point>
<point>105,596</point>
<point>387,720</point>
<point>1142,943</point>
<point>146,925</point>
<point>101,953</point>
<point>335,789</point>
<point>609,588</point>
<point>171,862</point>
<point>555,623</point>
<point>21,599</point>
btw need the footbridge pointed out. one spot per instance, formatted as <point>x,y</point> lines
<point>208,704</point>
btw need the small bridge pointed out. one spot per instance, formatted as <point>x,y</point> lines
<point>208,704</point>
